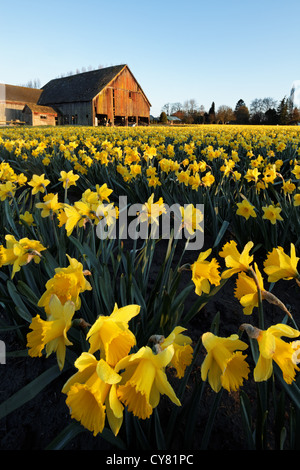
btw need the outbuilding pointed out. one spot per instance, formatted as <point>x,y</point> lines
<point>36,115</point>
<point>12,101</point>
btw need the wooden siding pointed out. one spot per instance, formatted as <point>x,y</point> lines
<point>75,113</point>
<point>12,112</point>
<point>122,97</point>
<point>38,116</point>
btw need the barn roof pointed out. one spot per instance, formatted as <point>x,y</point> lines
<point>35,108</point>
<point>22,94</point>
<point>80,87</point>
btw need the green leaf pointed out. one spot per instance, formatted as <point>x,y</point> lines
<point>18,353</point>
<point>29,392</point>
<point>20,307</point>
<point>159,435</point>
<point>221,233</point>
<point>211,419</point>
<point>65,436</point>
<point>291,389</point>
<point>140,435</point>
<point>247,420</point>
<point>25,290</point>
<point>108,435</point>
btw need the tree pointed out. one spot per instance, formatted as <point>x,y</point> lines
<point>256,111</point>
<point>242,115</point>
<point>163,117</point>
<point>225,114</point>
<point>176,107</point>
<point>268,103</point>
<point>239,104</point>
<point>271,117</point>
<point>295,116</point>
<point>212,113</point>
<point>283,112</point>
<point>33,83</point>
<point>259,108</point>
<point>166,108</point>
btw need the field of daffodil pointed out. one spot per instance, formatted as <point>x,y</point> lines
<point>117,313</point>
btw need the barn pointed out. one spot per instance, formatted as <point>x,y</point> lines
<point>12,101</point>
<point>106,96</point>
<point>35,115</point>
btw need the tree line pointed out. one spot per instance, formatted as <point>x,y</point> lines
<point>264,111</point>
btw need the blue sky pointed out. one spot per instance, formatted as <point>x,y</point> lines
<point>210,51</point>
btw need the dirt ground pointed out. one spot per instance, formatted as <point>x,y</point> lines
<point>36,424</point>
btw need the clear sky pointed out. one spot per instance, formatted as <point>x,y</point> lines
<point>210,51</point>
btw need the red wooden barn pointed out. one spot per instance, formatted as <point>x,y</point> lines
<point>106,96</point>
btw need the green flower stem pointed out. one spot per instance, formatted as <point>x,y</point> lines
<point>260,304</point>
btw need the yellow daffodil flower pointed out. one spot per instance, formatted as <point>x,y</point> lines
<point>297,199</point>
<point>246,290</point>
<point>208,179</point>
<point>109,212</point>
<point>235,260</point>
<point>70,217</point>
<point>153,181</point>
<point>252,175</point>
<point>296,171</point>
<point>50,205</point>
<point>68,178</point>
<point>191,218</point>
<point>91,394</point>
<point>183,351</point>
<point>224,365</point>
<point>279,265</point>
<point>20,253</point>
<point>273,348</point>
<point>270,174</point>
<point>205,273</point>
<point>28,218</point>
<point>38,183</point>
<point>272,213</point>
<point>183,177</point>
<point>149,153</point>
<point>103,192</point>
<point>7,189</point>
<point>52,332</point>
<point>288,187</point>
<point>246,209</point>
<point>111,334</point>
<point>151,211</point>
<point>144,380</point>
<point>67,284</point>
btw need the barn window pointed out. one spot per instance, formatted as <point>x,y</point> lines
<point>130,95</point>
<point>43,117</point>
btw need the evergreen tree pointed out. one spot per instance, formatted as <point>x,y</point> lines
<point>239,104</point>
<point>242,115</point>
<point>212,113</point>
<point>271,117</point>
<point>163,117</point>
<point>283,112</point>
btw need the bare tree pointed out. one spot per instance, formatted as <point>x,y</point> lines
<point>166,108</point>
<point>176,107</point>
<point>259,107</point>
<point>269,103</point>
<point>35,83</point>
<point>193,105</point>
